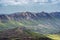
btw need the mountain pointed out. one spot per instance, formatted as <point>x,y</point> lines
<point>29,15</point>
<point>55,14</point>
<point>24,15</point>
<point>41,22</point>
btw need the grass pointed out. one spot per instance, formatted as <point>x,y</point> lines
<point>54,36</point>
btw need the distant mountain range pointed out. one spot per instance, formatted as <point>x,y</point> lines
<point>29,15</point>
<point>42,22</point>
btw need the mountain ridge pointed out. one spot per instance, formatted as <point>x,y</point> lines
<point>29,15</point>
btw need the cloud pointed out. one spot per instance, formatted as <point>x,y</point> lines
<point>13,2</point>
<point>47,1</point>
<point>21,2</point>
<point>41,1</point>
<point>55,1</point>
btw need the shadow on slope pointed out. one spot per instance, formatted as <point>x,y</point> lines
<point>21,33</point>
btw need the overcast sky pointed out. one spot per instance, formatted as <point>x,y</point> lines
<point>11,6</point>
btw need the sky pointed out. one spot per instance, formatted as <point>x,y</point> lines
<point>12,6</point>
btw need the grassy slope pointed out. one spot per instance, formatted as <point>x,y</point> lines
<point>50,36</point>
<point>54,36</point>
<point>13,24</point>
